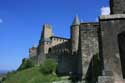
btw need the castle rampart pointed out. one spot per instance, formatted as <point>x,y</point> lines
<point>103,41</point>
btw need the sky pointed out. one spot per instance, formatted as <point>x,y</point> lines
<point>21,23</point>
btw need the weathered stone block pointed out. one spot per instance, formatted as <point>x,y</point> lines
<point>106,79</point>
<point>117,6</point>
<point>119,81</point>
<point>88,45</point>
<point>111,26</point>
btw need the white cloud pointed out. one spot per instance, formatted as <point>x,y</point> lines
<point>1,21</point>
<point>105,10</point>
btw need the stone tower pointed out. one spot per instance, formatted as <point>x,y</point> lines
<point>117,6</point>
<point>45,37</point>
<point>47,32</point>
<point>75,35</point>
<point>44,42</point>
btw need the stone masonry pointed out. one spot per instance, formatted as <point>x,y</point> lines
<point>95,51</point>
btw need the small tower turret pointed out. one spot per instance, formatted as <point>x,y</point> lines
<point>75,35</point>
<point>33,52</point>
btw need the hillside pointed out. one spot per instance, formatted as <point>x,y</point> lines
<point>32,75</point>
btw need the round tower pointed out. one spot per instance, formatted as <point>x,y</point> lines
<point>75,35</point>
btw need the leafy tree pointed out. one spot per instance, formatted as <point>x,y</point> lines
<point>26,63</point>
<point>48,67</point>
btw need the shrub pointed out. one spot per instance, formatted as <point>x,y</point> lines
<point>48,67</point>
<point>26,63</point>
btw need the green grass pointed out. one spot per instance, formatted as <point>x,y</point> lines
<point>32,75</point>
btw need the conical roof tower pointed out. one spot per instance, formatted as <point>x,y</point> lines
<point>75,35</point>
<point>76,20</point>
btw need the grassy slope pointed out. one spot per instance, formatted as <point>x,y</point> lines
<point>31,75</point>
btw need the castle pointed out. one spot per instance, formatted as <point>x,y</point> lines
<point>95,51</point>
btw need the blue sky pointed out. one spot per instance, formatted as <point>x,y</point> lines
<point>21,23</point>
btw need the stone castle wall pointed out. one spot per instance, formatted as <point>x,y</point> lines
<point>57,40</point>
<point>62,54</point>
<point>59,49</point>
<point>88,45</point>
<point>117,6</point>
<point>105,37</point>
<point>54,42</point>
<point>111,50</point>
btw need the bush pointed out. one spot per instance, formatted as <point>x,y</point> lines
<point>26,63</point>
<point>3,79</point>
<point>48,67</point>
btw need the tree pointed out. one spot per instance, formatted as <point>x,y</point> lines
<point>48,67</point>
<point>26,63</point>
